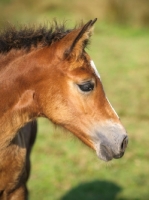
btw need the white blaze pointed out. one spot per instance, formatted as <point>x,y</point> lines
<point>94,67</point>
<point>97,74</point>
<point>112,107</point>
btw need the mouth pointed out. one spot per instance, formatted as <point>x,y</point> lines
<point>119,155</point>
<point>106,154</point>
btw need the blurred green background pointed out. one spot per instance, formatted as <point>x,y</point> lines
<point>62,167</point>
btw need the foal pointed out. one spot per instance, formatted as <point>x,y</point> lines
<point>47,72</point>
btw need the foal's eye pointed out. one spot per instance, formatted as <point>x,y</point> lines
<point>86,87</point>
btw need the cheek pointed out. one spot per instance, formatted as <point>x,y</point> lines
<point>59,112</point>
<point>82,106</point>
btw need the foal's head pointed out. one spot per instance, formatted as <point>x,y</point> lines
<point>72,95</point>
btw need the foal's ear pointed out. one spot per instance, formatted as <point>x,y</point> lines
<point>76,41</point>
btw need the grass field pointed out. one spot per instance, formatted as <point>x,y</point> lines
<point>65,169</point>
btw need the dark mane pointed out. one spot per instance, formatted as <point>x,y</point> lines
<point>27,37</point>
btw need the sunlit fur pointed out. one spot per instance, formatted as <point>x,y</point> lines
<point>40,70</point>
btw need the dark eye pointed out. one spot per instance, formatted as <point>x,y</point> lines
<point>86,87</point>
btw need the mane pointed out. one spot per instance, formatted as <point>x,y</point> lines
<point>26,37</point>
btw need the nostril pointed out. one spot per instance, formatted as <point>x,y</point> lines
<point>124,144</point>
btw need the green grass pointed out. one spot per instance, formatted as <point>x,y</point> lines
<point>62,167</point>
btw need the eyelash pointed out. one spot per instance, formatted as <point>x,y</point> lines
<point>86,87</point>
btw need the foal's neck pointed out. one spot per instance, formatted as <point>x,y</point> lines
<point>18,104</point>
<point>7,58</point>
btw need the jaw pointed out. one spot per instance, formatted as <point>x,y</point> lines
<point>81,134</point>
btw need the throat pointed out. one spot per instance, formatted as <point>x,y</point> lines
<point>25,110</point>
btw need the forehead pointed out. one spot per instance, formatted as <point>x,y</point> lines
<point>84,68</point>
<point>92,65</point>
<point>94,68</point>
